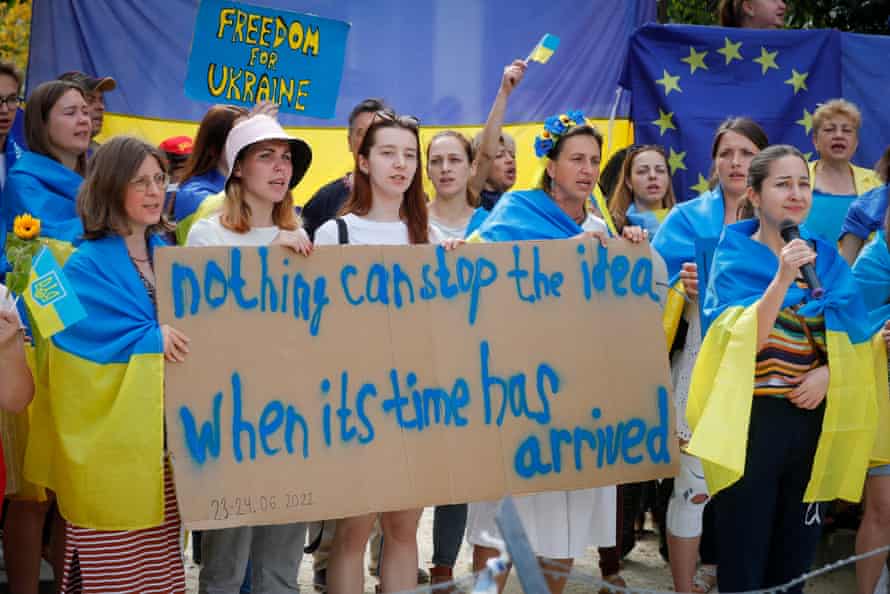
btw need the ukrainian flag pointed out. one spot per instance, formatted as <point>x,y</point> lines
<point>872,274</point>
<point>700,218</point>
<point>722,386</point>
<point>51,302</point>
<point>526,214</point>
<point>544,49</point>
<point>97,434</point>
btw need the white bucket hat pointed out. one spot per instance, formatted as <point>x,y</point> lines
<point>262,127</point>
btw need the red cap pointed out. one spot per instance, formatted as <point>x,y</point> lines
<point>177,145</point>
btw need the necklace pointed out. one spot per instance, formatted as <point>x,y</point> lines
<point>139,259</point>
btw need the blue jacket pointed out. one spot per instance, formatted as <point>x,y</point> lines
<point>193,191</point>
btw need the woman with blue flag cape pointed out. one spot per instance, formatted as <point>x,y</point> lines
<point>872,274</point>
<point>837,183</point>
<point>783,401</point>
<point>98,436</point>
<point>643,195</point>
<point>682,241</point>
<point>560,524</point>
<point>43,182</point>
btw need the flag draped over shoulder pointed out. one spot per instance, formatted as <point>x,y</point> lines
<point>872,274</point>
<point>526,214</point>
<point>685,80</point>
<point>97,433</point>
<point>675,242</point>
<point>722,386</point>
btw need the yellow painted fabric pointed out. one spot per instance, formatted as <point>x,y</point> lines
<point>331,156</point>
<point>720,396</point>
<point>75,448</point>
<point>719,408</point>
<point>881,451</point>
<point>673,312</point>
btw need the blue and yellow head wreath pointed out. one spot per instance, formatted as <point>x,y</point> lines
<point>554,128</point>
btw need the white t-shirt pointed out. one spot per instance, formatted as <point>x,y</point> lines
<point>446,232</point>
<point>594,223</point>
<point>210,231</point>
<point>362,231</point>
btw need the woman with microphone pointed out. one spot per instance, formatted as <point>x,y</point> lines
<point>783,403</point>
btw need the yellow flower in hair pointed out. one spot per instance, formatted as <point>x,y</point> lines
<point>26,227</point>
<point>564,119</point>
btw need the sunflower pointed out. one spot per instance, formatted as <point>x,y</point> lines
<point>26,227</point>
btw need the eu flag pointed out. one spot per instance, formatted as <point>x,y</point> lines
<point>685,80</point>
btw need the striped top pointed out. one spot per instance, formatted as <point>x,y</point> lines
<point>795,346</point>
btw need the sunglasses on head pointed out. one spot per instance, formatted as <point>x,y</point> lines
<point>387,115</point>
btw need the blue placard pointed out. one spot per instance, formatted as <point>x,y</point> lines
<point>242,54</point>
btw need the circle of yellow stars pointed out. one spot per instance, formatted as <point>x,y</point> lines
<point>696,60</point>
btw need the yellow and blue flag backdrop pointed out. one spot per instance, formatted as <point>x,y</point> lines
<point>685,80</point>
<point>97,434</point>
<point>440,61</point>
<point>722,386</point>
<point>51,301</point>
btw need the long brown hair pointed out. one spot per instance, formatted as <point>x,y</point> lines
<point>729,13</point>
<point>40,103</point>
<point>623,195</point>
<point>472,199</point>
<point>211,140</point>
<point>100,201</point>
<point>413,209</point>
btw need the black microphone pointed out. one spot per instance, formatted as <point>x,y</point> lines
<point>789,230</point>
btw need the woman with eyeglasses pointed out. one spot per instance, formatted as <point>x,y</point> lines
<point>387,206</point>
<point>100,441</point>
<point>43,182</point>
<point>266,164</point>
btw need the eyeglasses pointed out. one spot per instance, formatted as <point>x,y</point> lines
<point>11,101</point>
<point>387,115</point>
<point>141,184</point>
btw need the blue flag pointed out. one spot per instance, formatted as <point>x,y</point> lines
<point>685,80</point>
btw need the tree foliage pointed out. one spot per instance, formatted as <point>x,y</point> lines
<point>15,32</point>
<point>861,16</point>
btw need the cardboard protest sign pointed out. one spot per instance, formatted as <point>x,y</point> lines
<point>371,378</point>
<point>243,54</point>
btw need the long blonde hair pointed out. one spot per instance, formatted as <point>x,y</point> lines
<point>236,212</point>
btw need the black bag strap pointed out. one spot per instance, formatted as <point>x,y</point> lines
<point>342,231</point>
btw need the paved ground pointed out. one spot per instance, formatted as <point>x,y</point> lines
<point>643,568</point>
